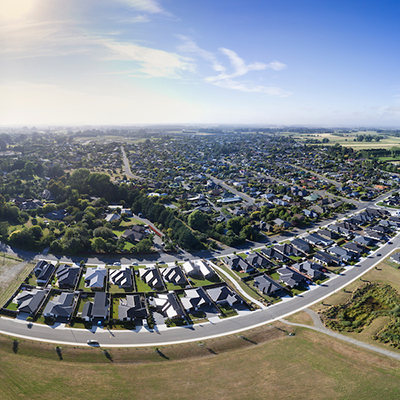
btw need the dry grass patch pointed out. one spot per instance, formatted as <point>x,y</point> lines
<point>300,317</point>
<point>309,365</point>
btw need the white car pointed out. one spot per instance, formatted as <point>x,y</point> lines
<point>117,264</point>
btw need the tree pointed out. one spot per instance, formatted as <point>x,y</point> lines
<point>103,232</point>
<point>99,244</point>
<point>4,228</point>
<point>36,231</point>
<point>197,220</point>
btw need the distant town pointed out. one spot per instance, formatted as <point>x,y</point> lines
<point>156,228</point>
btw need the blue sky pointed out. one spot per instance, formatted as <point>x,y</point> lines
<point>330,63</point>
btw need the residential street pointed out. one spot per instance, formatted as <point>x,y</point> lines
<point>201,331</point>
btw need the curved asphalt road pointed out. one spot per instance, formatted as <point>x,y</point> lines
<point>197,332</point>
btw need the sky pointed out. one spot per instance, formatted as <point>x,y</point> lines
<point>254,62</point>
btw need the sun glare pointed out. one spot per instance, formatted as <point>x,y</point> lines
<point>15,9</point>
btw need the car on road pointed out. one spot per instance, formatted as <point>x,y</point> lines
<point>93,343</point>
<point>390,242</point>
<point>117,264</point>
<point>379,254</point>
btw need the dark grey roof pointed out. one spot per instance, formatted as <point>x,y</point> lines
<point>301,245</point>
<point>100,305</point>
<point>46,273</point>
<point>60,306</point>
<point>67,276</point>
<point>174,275</point>
<point>132,307</point>
<point>152,277</point>
<point>32,300</point>
<point>223,294</point>
<point>266,285</point>
<point>121,277</point>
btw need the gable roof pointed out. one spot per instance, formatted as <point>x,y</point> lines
<point>290,277</point>
<point>121,277</point>
<point>174,275</point>
<point>95,278</point>
<point>60,306</point>
<point>195,298</point>
<point>266,285</point>
<point>67,276</point>
<point>132,307</point>
<point>152,276</point>
<point>29,300</point>
<point>223,294</point>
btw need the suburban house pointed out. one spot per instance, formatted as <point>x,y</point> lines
<point>313,270</point>
<point>98,309</point>
<point>198,269</point>
<point>56,215</point>
<point>266,285</point>
<point>167,304</point>
<point>132,307</point>
<point>174,275</point>
<point>301,245</point>
<point>341,253</point>
<point>29,301</point>
<point>95,278</point>
<point>121,277</point>
<point>237,263</point>
<point>318,240</point>
<point>281,223</point>
<point>60,307</point>
<point>45,274</point>
<point>258,261</point>
<point>152,276</point>
<point>288,250</point>
<point>224,295</point>
<point>363,240</point>
<point>195,298</point>
<point>112,217</point>
<point>135,234</point>
<point>369,233</point>
<point>270,252</point>
<point>328,234</point>
<point>290,277</point>
<point>324,258</point>
<point>67,276</point>
<point>355,248</point>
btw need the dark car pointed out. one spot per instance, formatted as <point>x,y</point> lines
<point>379,254</point>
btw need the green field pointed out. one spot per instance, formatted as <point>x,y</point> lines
<point>348,140</point>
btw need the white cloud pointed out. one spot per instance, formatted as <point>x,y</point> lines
<point>190,46</point>
<point>240,68</point>
<point>150,6</point>
<point>63,38</point>
<point>155,63</point>
<point>242,87</point>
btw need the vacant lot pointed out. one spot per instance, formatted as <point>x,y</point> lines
<point>308,365</point>
<point>385,273</point>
